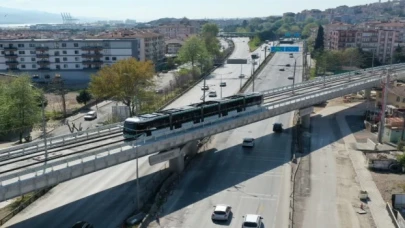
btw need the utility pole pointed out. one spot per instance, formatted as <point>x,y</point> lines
<point>137,179</point>
<point>384,106</point>
<point>295,65</point>
<point>44,127</point>
<point>204,88</point>
<point>253,75</point>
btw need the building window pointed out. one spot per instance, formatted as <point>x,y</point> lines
<point>64,59</point>
<point>21,52</point>
<point>33,59</point>
<point>22,59</point>
<point>64,52</point>
<point>403,100</point>
<point>107,58</point>
<point>398,99</point>
<point>57,60</point>
<point>2,52</point>
<point>21,45</point>
<point>56,53</point>
<point>32,52</point>
<point>76,58</point>
<point>32,45</point>
<point>64,45</point>
<point>57,66</point>
<point>1,45</point>
<point>77,66</point>
<point>23,66</point>
<point>76,52</point>
<point>114,58</point>
<point>34,66</point>
<point>65,66</point>
<point>76,45</point>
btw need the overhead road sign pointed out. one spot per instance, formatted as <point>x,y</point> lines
<point>164,156</point>
<point>236,61</point>
<point>285,49</point>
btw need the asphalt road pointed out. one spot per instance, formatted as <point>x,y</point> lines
<point>254,181</point>
<point>104,198</point>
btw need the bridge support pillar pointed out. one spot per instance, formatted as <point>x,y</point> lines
<point>177,164</point>
<point>306,121</point>
<point>189,149</point>
<point>367,94</point>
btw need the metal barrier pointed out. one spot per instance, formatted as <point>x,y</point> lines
<point>61,140</point>
<point>62,170</point>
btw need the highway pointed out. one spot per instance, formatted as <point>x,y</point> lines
<point>107,197</point>
<point>253,180</point>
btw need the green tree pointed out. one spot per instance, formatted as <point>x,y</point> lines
<point>209,35</point>
<point>352,57</point>
<point>125,80</point>
<point>306,31</point>
<point>319,45</point>
<point>19,106</point>
<point>399,56</point>
<point>83,97</point>
<point>193,50</point>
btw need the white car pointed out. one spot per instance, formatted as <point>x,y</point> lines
<point>221,212</point>
<point>248,142</point>
<point>212,94</point>
<point>252,221</point>
<point>90,115</point>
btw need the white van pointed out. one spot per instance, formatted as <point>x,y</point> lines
<point>90,115</point>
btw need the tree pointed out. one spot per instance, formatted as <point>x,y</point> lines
<point>352,57</point>
<point>209,35</point>
<point>190,50</point>
<point>210,29</point>
<point>306,31</point>
<point>125,80</point>
<point>319,45</point>
<point>83,97</point>
<point>399,56</point>
<point>19,106</point>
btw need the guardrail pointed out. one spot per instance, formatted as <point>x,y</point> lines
<point>61,140</point>
<point>170,139</point>
<point>332,78</point>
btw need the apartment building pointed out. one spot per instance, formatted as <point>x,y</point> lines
<point>72,59</point>
<point>173,46</point>
<point>177,31</point>
<point>380,40</point>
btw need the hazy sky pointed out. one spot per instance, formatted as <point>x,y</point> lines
<point>143,10</point>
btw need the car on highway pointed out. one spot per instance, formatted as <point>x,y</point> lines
<point>222,84</point>
<point>221,212</point>
<point>248,142</point>
<point>205,87</point>
<point>278,127</point>
<point>282,69</point>
<point>212,94</point>
<point>252,221</point>
<point>288,65</point>
<point>82,224</point>
<point>91,115</point>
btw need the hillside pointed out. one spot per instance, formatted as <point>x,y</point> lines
<point>17,16</point>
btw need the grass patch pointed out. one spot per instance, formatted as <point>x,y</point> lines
<point>54,115</point>
<point>253,45</point>
<point>312,73</point>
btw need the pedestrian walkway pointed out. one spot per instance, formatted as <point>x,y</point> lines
<point>376,204</point>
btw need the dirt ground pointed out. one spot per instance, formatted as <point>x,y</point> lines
<point>55,102</point>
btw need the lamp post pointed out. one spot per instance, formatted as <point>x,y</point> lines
<point>137,173</point>
<point>293,77</point>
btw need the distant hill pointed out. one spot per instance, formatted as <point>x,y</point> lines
<point>17,16</point>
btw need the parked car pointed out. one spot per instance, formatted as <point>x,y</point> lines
<point>222,84</point>
<point>212,94</point>
<point>248,142</point>
<point>278,127</point>
<point>221,212</point>
<point>91,115</point>
<point>288,65</point>
<point>252,221</point>
<point>282,69</point>
<point>205,87</point>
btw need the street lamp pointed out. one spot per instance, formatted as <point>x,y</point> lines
<point>137,172</point>
<point>293,77</point>
<point>223,85</point>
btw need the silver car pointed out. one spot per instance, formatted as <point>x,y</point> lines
<point>221,212</point>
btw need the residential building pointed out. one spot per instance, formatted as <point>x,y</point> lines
<point>173,46</point>
<point>72,59</point>
<point>177,31</point>
<point>395,95</point>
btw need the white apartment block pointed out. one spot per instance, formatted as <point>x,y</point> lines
<point>74,59</point>
<point>177,31</point>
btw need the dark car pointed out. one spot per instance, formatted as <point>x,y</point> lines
<point>278,127</point>
<point>288,65</point>
<point>281,69</point>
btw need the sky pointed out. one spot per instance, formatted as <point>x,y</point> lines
<point>146,10</point>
